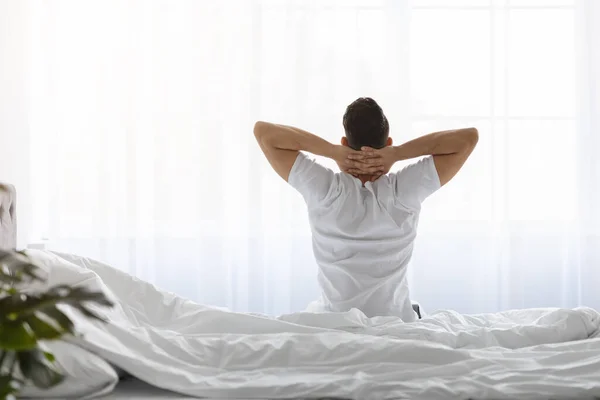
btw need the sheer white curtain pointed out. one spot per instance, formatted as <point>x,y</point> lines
<point>129,125</point>
<point>518,228</point>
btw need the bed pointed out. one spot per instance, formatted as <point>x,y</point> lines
<point>172,348</point>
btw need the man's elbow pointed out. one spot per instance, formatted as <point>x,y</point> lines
<point>260,129</point>
<point>263,132</point>
<point>471,137</point>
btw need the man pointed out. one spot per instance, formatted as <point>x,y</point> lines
<point>364,220</point>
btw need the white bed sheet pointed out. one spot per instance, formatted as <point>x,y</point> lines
<point>202,351</point>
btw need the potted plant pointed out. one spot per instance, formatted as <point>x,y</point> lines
<point>28,318</point>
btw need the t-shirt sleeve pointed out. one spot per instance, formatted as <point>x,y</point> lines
<point>416,182</point>
<point>312,180</point>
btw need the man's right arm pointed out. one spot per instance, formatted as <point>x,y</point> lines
<point>450,149</point>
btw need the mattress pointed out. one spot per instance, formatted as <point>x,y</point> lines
<point>134,389</point>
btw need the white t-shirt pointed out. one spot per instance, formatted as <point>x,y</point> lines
<point>363,236</point>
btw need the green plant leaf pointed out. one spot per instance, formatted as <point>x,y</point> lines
<point>7,277</point>
<point>43,329</point>
<point>48,324</point>
<point>19,307</point>
<point>30,271</point>
<point>9,387</point>
<point>35,367</point>
<point>14,335</point>
<point>89,313</point>
<point>59,318</point>
<point>49,356</point>
<point>16,268</point>
<point>25,319</point>
<point>80,294</point>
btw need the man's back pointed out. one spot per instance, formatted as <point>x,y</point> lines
<point>363,235</point>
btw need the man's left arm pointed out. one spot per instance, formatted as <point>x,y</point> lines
<point>281,144</point>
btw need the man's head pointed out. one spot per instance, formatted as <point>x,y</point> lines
<point>365,125</point>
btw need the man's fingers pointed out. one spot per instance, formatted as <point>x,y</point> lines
<point>376,169</point>
<point>356,163</point>
<point>356,156</point>
<point>371,161</point>
<point>363,155</point>
<point>374,161</point>
<point>362,164</point>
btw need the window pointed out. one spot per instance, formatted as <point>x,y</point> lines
<point>507,67</point>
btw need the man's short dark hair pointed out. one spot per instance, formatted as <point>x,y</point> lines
<point>365,124</point>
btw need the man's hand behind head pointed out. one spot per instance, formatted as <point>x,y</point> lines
<point>361,167</point>
<point>371,161</point>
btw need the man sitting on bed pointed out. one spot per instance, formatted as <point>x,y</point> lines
<point>364,220</point>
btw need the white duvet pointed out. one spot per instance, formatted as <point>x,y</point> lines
<point>202,351</point>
